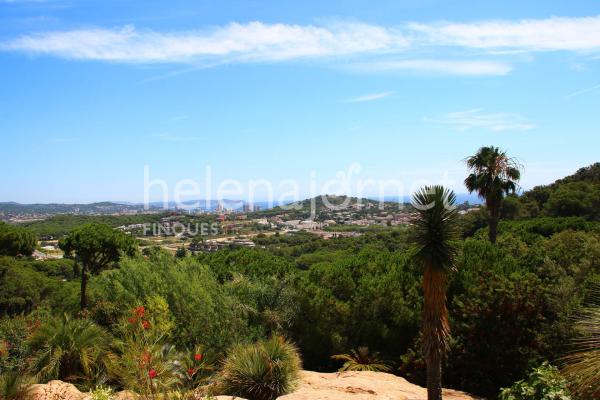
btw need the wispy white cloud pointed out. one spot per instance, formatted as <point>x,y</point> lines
<point>476,118</point>
<point>583,91</point>
<point>423,46</point>
<point>369,97</point>
<point>254,41</point>
<point>551,34</point>
<point>440,66</point>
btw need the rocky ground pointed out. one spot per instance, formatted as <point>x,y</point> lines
<point>313,386</point>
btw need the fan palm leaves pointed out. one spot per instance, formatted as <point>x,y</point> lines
<point>434,232</point>
<point>68,349</point>
<point>493,175</point>
<point>362,360</point>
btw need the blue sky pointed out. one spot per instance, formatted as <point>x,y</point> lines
<point>91,92</point>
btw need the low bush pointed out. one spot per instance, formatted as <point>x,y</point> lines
<point>262,371</point>
<point>543,383</point>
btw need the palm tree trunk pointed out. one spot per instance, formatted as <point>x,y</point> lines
<point>493,231</point>
<point>436,329</point>
<point>434,378</point>
<point>494,212</point>
<point>83,303</point>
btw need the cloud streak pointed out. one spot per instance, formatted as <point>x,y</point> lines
<point>551,34</point>
<point>433,66</point>
<point>367,46</point>
<point>477,119</point>
<point>583,91</point>
<point>369,97</point>
<point>254,41</point>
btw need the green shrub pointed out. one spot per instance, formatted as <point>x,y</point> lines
<point>144,363</point>
<point>543,383</point>
<point>13,385</point>
<point>69,349</point>
<point>102,393</point>
<point>262,371</point>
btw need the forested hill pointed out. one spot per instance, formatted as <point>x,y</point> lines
<point>576,195</point>
<point>104,207</point>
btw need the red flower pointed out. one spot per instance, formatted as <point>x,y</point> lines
<point>191,371</point>
<point>146,324</point>
<point>139,311</point>
<point>145,359</point>
<point>152,374</point>
<point>197,357</point>
<point>132,320</point>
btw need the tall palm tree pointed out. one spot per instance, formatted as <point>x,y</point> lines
<point>493,175</point>
<point>434,230</point>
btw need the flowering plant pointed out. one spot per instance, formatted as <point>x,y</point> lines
<point>145,364</point>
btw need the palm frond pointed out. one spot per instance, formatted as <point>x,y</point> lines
<point>435,226</point>
<point>362,360</point>
<point>582,365</point>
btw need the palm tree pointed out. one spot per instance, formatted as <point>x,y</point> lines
<point>362,360</point>
<point>493,175</point>
<point>434,230</point>
<point>68,349</point>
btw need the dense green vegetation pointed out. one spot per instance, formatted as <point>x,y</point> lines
<point>60,225</point>
<point>510,304</point>
<point>16,241</point>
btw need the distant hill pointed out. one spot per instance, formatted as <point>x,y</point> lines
<point>57,208</point>
<point>108,207</point>
<point>589,174</point>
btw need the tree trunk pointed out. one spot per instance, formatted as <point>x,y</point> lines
<point>83,304</point>
<point>434,378</point>
<point>493,231</point>
<point>436,329</point>
<point>494,215</point>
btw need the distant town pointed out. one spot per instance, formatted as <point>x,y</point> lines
<point>225,224</point>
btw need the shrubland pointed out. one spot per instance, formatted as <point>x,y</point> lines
<point>156,323</point>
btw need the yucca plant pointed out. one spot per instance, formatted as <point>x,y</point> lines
<point>434,231</point>
<point>362,360</point>
<point>69,349</point>
<point>582,366</point>
<point>261,371</point>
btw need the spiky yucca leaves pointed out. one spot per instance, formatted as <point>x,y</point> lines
<point>493,176</point>
<point>582,366</point>
<point>261,371</point>
<point>69,349</point>
<point>362,360</point>
<point>434,230</point>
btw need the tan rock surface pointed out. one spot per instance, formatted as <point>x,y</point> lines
<point>313,386</point>
<point>55,390</point>
<point>362,386</point>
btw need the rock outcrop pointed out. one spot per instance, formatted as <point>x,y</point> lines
<point>313,386</point>
<point>55,390</point>
<point>362,386</point>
